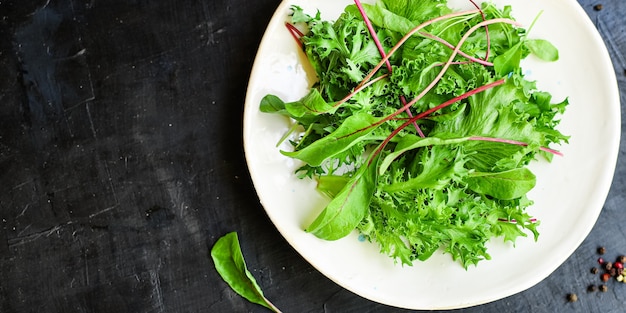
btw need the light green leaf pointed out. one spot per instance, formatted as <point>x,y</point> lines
<point>412,142</point>
<point>312,103</point>
<point>331,185</point>
<point>505,185</point>
<point>440,165</point>
<point>543,49</point>
<point>509,61</point>
<point>347,209</point>
<point>354,129</point>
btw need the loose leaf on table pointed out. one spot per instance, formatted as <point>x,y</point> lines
<point>505,185</point>
<point>230,264</point>
<point>347,209</point>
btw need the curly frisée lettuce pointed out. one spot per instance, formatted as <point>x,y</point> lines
<point>421,126</point>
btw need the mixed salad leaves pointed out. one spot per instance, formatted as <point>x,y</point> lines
<point>421,125</point>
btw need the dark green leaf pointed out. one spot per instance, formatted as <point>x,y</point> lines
<point>272,104</point>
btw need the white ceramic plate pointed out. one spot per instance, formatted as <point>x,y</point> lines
<point>569,195</point>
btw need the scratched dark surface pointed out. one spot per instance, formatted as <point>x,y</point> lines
<point>121,164</point>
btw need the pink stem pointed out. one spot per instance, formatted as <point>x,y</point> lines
<point>449,45</point>
<point>373,33</point>
<point>454,53</point>
<point>383,55</point>
<point>408,35</point>
<point>350,95</point>
<point>514,142</point>
<point>408,112</point>
<point>430,111</point>
<point>486,30</point>
<point>443,70</point>
<point>295,33</point>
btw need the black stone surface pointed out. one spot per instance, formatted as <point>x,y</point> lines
<point>121,164</point>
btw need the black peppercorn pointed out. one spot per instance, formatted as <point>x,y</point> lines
<point>592,288</point>
<point>601,250</point>
<point>604,288</point>
<point>594,270</point>
<point>572,297</point>
<point>622,258</point>
<point>608,266</point>
<point>597,7</point>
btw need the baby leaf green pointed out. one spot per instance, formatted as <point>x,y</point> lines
<point>384,18</point>
<point>543,49</point>
<point>312,103</point>
<point>352,130</point>
<point>411,142</point>
<point>272,104</point>
<point>509,61</point>
<point>505,185</point>
<point>230,264</point>
<point>331,185</point>
<point>349,206</point>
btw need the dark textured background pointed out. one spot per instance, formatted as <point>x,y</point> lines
<point>121,164</point>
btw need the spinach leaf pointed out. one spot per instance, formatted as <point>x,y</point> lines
<point>230,264</point>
